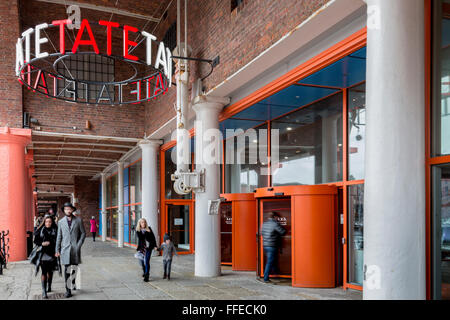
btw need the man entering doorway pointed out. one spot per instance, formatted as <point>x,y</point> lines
<point>271,232</point>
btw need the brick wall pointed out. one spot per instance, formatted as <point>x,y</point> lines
<point>87,193</point>
<point>10,89</point>
<point>122,121</point>
<point>236,36</point>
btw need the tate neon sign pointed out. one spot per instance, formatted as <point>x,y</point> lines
<point>156,81</point>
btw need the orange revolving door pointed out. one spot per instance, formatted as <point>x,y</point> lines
<point>307,253</point>
<point>238,229</point>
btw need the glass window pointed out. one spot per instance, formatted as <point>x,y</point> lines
<point>114,223</point>
<point>355,239</point>
<point>114,188</point>
<point>441,231</point>
<point>108,223</point>
<point>441,94</point>
<point>135,214</point>
<point>356,131</point>
<point>310,144</point>
<point>108,193</point>
<point>136,182</point>
<point>170,167</point>
<point>244,175</point>
<point>178,226</point>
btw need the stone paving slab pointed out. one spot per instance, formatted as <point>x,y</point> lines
<point>111,273</point>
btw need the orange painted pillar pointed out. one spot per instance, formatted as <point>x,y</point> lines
<point>12,189</point>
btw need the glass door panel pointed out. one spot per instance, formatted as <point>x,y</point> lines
<point>283,208</point>
<point>226,226</point>
<point>135,215</point>
<point>178,226</point>
<point>355,234</point>
<point>441,232</point>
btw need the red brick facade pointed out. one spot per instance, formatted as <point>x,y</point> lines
<point>236,36</point>
<point>10,89</point>
<point>87,194</point>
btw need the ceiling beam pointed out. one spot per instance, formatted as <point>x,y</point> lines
<point>83,144</point>
<point>78,149</point>
<point>102,9</point>
<point>82,136</point>
<point>74,157</point>
<point>40,165</point>
<point>72,162</point>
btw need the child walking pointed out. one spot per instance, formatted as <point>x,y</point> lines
<point>168,250</point>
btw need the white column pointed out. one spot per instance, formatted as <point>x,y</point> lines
<point>104,227</point>
<point>150,184</point>
<point>207,227</point>
<point>394,200</point>
<point>120,204</point>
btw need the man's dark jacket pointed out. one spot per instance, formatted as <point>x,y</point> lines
<point>271,232</point>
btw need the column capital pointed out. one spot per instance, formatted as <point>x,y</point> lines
<point>145,143</point>
<point>203,102</point>
<point>15,135</point>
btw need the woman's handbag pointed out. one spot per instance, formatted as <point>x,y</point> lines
<point>139,255</point>
<point>35,254</point>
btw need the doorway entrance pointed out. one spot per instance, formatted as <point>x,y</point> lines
<point>179,224</point>
<point>283,262</point>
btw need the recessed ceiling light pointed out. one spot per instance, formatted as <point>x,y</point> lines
<point>286,158</point>
<point>255,141</point>
<point>288,128</point>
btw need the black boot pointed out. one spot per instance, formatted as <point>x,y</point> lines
<point>165,275</point>
<point>49,283</point>
<point>44,289</point>
<point>168,277</point>
<point>68,293</point>
<point>146,277</point>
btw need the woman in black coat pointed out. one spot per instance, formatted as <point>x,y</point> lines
<point>45,236</point>
<point>146,244</point>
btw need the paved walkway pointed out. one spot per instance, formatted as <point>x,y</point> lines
<point>111,273</point>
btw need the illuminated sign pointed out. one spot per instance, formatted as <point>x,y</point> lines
<point>40,70</point>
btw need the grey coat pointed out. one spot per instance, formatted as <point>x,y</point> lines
<point>69,241</point>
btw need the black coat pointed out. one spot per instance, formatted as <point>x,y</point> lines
<point>43,235</point>
<point>143,237</point>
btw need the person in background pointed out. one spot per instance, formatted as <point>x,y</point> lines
<point>94,227</point>
<point>169,251</point>
<point>45,236</point>
<point>146,244</point>
<point>53,215</point>
<point>271,232</point>
<point>38,220</point>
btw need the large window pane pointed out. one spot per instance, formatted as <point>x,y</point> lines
<point>136,183</point>
<point>114,188</point>
<point>441,231</point>
<point>135,214</point>
<point>114,223</point>
<point>108,193</point>
<point>310,143</point>
<point>442,89</point>
<point>244,174</point>
<point>356,131</point>
<point>355,231</point>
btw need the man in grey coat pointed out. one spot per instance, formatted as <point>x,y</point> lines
<point>69,240</point>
